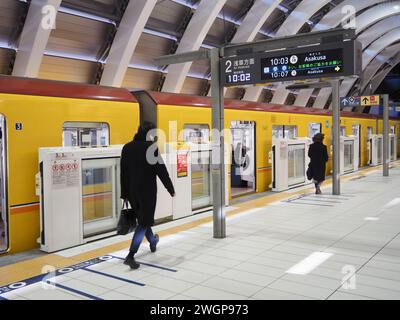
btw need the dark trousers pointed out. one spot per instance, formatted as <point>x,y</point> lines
<point>140,233</point>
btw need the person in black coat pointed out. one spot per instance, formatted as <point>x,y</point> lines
<point>141,163</point>
<point>319,156</point>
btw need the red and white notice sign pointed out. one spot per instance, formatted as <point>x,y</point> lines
<point>65,173</point>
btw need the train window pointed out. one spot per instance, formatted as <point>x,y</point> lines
<point>343,131</point>
<point>393,130</point>
<point>289,132</point>
<point>277,131</point>
<point>370,132</point>
<point>196,133</point>
<point>3,187</point>
<point>314,128</point>
<point>86,134</point>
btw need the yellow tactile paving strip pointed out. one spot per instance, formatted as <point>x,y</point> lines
<point>30,268</point>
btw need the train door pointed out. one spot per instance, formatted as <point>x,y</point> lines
<point>243,164</point>
<point>3,186</point>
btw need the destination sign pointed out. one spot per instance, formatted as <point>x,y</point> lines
<point>315,63</point>
<point>330,60</point>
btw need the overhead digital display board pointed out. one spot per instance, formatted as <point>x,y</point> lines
<point>321,63</point>
<point>318,61</point>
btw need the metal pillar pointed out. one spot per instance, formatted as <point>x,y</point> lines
<point>336,137</point>
<point>218,153</point>
<point>386,156</point>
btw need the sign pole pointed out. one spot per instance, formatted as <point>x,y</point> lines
<point>336,137</point>
<point>386,156</point>
<point>218,153</point>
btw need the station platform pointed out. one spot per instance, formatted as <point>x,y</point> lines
<point>288,245</point>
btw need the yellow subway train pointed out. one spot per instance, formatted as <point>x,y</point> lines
<point>39,113</point>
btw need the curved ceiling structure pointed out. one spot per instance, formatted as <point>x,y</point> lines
<point>381,75</point>
<point>114,42</point>
<point>376,64</point>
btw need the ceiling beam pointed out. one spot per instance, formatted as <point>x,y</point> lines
<point>39,22</point>
<point>130,29</point>
<point>195,33</point>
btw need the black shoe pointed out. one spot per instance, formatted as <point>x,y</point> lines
<point>130,261</point>
<point>153,247</point>
<point>318,191</point>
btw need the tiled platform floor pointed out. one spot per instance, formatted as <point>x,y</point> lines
<point>351,242</point>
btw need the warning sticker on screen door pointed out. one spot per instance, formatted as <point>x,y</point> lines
<point>65,173</point>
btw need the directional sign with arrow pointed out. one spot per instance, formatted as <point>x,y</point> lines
<point>350,101</point>
<point>370,100</point>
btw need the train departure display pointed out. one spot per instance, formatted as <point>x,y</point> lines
<point>314,63</point>
<point>329,60</point>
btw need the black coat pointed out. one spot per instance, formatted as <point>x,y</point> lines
<point>139,179</point>
<point>319,156</point>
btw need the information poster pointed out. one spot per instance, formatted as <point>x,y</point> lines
<point>182,164</point>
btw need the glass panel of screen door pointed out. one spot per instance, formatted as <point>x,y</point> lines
<point>201,182</point>
<point>392,149</point>
<point>100,195</point>
<point>379,149</point>
<point>348,155</point>
<point>296,165</point>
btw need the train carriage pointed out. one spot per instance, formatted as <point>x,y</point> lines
<point>39,113</point>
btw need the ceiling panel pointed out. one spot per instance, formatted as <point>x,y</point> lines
<point>10,13</point>
<point>200,68</point>
<point>233,93</point>
<point>219,31</point>
<point>108,2</point>
<point>141,79</point>
<point>168,15</point>
<point>150,47</point>
<point>194,86</point>
<point>77,35</point>
<point>236,9</point>
<point>5,59</point>
<point>55,68</point>
<point>272,24</point>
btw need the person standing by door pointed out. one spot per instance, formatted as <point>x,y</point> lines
<point>141,163</point>
<point>318,155</point>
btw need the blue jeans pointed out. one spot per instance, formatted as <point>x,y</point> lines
<point>138,236</point>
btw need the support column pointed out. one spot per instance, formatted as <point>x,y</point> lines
<point>386,156</point>
<point>336,137</point>
<point>218,153</point>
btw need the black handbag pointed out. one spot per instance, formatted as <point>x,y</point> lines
<point>127,220</point>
